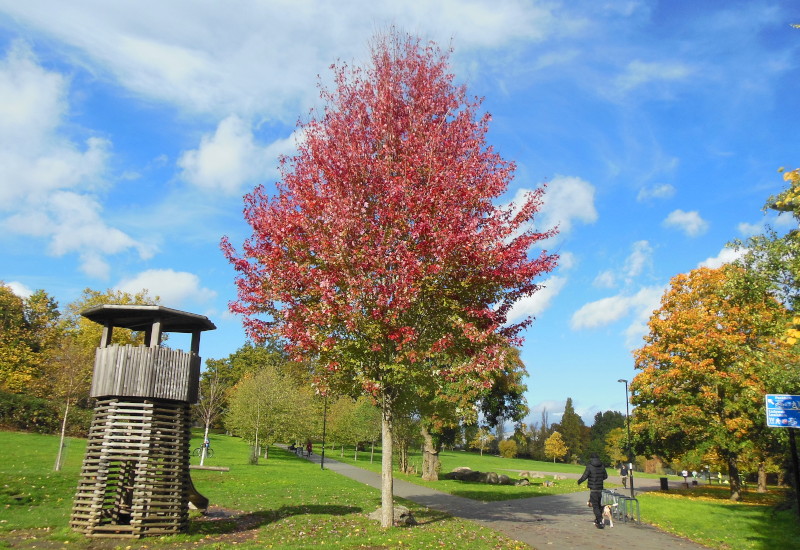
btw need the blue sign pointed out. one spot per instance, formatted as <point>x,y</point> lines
<point>783,411</point>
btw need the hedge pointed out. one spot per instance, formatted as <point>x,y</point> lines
<point>32,414</point>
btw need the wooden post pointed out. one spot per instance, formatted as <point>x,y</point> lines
<point>105,339</point>
<point>196,342</point>
<point>155,335</point>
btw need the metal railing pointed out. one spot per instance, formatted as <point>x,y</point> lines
<point>623,508</point>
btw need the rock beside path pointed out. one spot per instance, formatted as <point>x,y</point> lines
<point>402,516</point>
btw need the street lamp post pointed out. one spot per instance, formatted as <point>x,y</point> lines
<point>628,421</point>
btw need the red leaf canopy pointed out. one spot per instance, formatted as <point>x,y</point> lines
<point>382,250</point>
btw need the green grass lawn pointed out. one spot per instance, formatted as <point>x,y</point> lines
<point>706,515</point>
<point>283,502</point>
<point>287,502</point>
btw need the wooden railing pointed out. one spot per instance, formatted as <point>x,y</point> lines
<point>139,371</point>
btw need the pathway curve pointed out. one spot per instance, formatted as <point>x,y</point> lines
<point>558,522</point>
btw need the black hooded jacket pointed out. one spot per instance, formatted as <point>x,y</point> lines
<point>595,472</point>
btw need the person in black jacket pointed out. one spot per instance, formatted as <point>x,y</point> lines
<point>595,472</point>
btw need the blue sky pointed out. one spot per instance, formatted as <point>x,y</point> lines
<point>129,132</point>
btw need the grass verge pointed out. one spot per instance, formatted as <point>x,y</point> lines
<point>705,514</point>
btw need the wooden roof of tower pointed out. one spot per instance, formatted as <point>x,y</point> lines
<point>139,318</point>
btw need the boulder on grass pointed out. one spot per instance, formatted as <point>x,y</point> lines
<point>492,478</point>
<point>503,479</point>
<point>470,476</point>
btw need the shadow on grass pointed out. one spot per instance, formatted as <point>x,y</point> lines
<point>219,521</point>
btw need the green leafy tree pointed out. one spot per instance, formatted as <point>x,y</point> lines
<point>21,363</point>
<point>483,439</point>
<point>538,435</point>
<point>616,446</point>
<point>266,406</point>
<point>572,430</point>
<point>603,423</point>
<point>555,447</point>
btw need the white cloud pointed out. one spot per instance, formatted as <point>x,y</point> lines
<point>784,220</point>
<point>230,158</point>
<point>641,73</point>
<point>689,222</point>
<point>605,279</point>
<point>175,288</point>
<point>19,289</point>
<point>609,310</point>
<point>648,301</point>
<point>750,229</point>
<point>601,312</point>
<point>567,200</point>
<point>664,191</point>
<point>640,257</point>
<point>566,261</point>
<point>539,301</point>
<point>725,256</point>
<point>248,60</point>
<point>46,181</point>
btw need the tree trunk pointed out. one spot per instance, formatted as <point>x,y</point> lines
<point>402,457</point>
<point>372,452</point>
<point>57,466</point>
<point>387,481</point>
<point>762,477</point>
<point>430,456</point>
<point>733,478</point>
<point>204,448</point>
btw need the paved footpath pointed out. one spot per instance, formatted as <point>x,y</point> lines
<point>558,522</point>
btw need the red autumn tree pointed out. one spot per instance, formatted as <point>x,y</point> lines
<point>382,256</point>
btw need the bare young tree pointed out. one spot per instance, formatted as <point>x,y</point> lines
<point>210,405</point>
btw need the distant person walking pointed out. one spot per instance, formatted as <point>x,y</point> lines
<point>308,448</point>
<point>623,474</point>
<point>595,472</point>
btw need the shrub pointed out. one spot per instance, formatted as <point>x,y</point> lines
<point>26,413</point>
<point>31,414</point>
<point>508,448</point>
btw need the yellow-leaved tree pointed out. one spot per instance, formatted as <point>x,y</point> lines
<point>555,447</point>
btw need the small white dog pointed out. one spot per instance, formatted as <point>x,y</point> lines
<point>608,514</point>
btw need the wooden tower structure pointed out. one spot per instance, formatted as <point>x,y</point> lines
<point>135,478</point>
